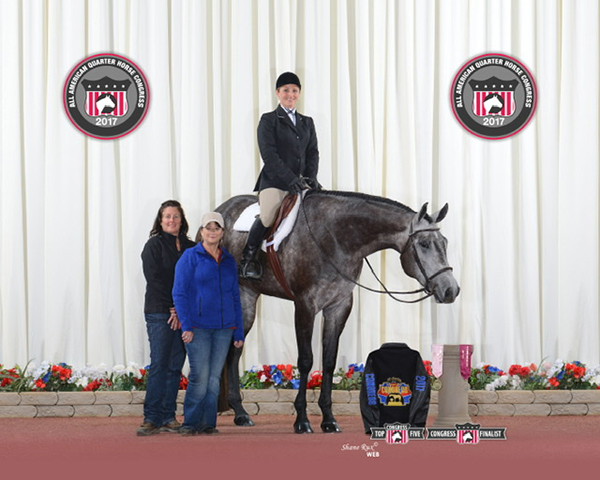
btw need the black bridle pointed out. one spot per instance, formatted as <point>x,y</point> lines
<point>411,243</point>
<point>385,290</point>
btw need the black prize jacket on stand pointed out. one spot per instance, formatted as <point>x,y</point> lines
<point>395,387</point>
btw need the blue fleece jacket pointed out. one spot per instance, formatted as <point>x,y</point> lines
<point>206,293</point>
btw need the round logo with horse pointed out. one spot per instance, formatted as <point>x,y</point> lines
<point>493,96</point>
<point>106,96</point>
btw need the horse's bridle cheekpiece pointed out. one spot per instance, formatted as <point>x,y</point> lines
<point>410,243</point>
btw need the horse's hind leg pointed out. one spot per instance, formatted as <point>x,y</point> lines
<point>304,322</point>
<point>334,320</point>
<point>241,418</point>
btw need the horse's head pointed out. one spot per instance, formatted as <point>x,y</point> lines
<point>424,256</point>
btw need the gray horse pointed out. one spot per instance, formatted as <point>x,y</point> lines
<point>322,259</point>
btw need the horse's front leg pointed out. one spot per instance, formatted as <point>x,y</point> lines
<point>304,322</point>
<point>334,321</point>
<point>241,417</point>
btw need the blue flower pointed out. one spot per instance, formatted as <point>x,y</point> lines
<point>493,369</point>
<point>357,367</point>
<point>46,377</point>
<point>560,375</point>
<point>295,383</point>
<point>277,377</point>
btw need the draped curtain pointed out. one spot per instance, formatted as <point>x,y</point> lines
<point>523,225</point>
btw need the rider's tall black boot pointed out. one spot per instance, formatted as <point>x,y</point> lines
<point>250,268</point>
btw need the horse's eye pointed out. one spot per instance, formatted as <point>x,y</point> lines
<point>424,244</point>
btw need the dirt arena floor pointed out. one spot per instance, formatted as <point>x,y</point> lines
<point>107,448</point>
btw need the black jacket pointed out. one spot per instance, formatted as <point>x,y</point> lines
<point>395,387</point>
<point>159,257</point>
<point>288,151</point>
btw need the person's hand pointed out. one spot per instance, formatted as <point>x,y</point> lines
<point>238,343</point>
<point>296,186</point>
<point>173,320</point>
<point>312,183</point>
<point>187,337</point>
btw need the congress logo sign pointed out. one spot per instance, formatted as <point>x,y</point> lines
<point>493,96</point>
<point>106,96</point>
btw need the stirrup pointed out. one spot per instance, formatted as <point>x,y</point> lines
<point>251,270</point>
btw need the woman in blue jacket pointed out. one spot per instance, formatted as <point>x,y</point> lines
<point>207,300</point>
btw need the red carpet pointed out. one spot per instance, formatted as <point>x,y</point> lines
<point>536,447</point>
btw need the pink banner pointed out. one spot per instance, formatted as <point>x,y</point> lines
<point>437,361</point>
<point>465,360</point>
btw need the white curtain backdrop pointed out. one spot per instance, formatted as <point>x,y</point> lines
<point>524,215</point>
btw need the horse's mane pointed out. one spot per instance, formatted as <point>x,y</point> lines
<point>360,196</point>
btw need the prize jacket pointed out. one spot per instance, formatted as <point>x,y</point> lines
<point>159,257</point>
<point>288,151</point>
<point>395,387</point>
<point>206,292</point>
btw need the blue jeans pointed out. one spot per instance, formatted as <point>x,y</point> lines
<point>167,356</point>
<point>207,353</point>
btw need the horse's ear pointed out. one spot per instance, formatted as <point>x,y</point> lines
<point>438,217</point>
<point>423,211</point>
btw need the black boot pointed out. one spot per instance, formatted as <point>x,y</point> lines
<point>250,268</point>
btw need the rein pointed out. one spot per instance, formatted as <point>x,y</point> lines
<point>385,289</point>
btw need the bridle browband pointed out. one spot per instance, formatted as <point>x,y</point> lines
<point>385,290</point>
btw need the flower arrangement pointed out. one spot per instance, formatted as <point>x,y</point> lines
<point>557,376</point>
<point>49,377</point>
<point>266,376</point>
<point>350,379</point>
<point>62,377</point>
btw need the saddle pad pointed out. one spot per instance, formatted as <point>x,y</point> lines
<point>246,219</point>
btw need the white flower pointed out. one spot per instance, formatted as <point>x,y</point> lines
<point>515,382</point>
<point>38,372</point>
<point>498,383</point>
<point>90,373</point>
<point>337,379</point>
<point>82,382</point>
<point>555,368</point>
<point>591,373</point>
<point>120,370</point>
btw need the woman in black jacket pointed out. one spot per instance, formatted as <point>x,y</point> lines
<point>168,240</point>
<point>288,146</point>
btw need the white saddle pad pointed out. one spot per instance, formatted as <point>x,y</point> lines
<point>246,219</point>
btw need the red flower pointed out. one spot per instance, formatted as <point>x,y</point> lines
<point>553,382</point>
<point>427,364</point>
<point>40,384</point>
<point>316,378</point>
<point>90,387</point>
<point>287,371</point>
<point>183,383</point>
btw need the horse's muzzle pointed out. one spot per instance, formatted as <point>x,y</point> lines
<point>446,295</point>
<point>445,288</point>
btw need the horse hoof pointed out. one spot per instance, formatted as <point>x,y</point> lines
<point>330,427</point>
<point>243,421</point>
<point>302,427</point>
